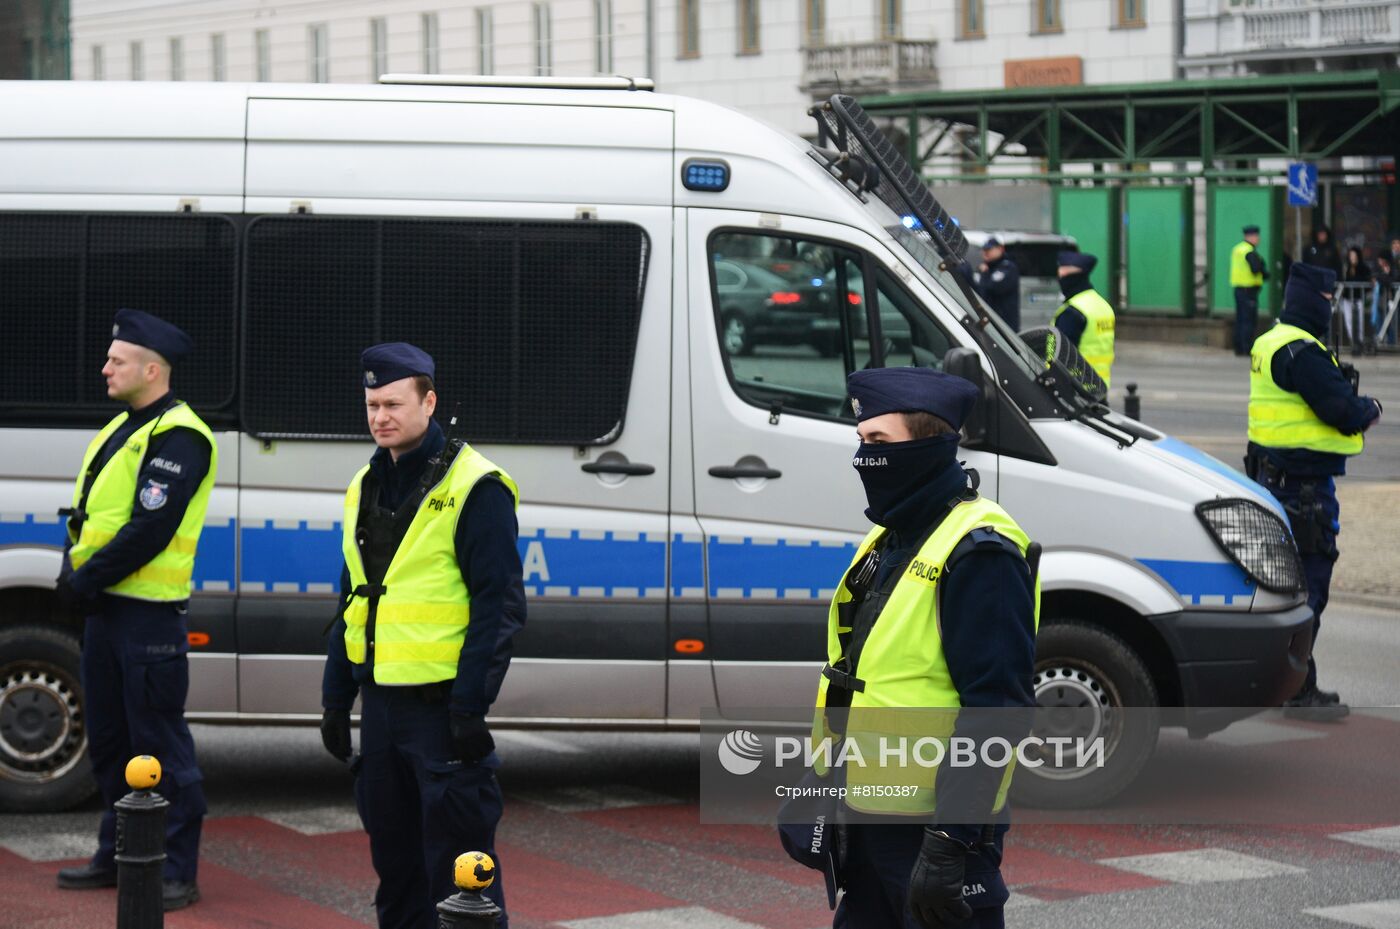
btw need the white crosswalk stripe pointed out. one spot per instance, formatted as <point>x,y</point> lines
<point>1201,866</point>
<point>1378,914</point>
<point>318,820</point>
<point>591,799</point>
<point>1387,838</point>
<point>52,846</point>
<point>685,917</point>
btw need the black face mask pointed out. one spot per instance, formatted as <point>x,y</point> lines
<point>1072,284</point>
<point>891,471</point>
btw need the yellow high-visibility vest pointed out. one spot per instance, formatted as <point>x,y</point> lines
<point>1280,418</point>
<point>1241,275</point>
<point>908,690</point>
<point>421,618</point>
<point>166,577</point>
<point>1096,344</point>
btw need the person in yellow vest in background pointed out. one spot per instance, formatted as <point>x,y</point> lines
<point>133,530</point>
<point>1085,318</point>
<point>1305,420</point>
<point>939,609</point>
<point>431,598</point>
<point>1247,276</point>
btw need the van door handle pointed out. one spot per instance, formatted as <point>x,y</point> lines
<point>632,469</point>
<point>736,471</point>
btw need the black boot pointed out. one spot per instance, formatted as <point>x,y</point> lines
<point>87,877</point>
<point>1316,706</point>
<point>176,895</point>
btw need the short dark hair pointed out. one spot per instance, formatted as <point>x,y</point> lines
<point>925,425</point>
<point>424,384</point>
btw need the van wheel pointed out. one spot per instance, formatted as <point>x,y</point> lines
<point>1084,679</point>
<point>735,336</point>
<point>43,738</point>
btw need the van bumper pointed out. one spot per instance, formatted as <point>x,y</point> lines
<point>1231,665</point>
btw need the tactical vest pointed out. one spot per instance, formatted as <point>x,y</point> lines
<point>411,622</point>
<point>1096,344</point>
<point>906,690</point>
<point>1241,275</point>
<point>108,503</point>
<point>1280,418</point>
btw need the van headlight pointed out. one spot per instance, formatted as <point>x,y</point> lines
<point>1257,540</point>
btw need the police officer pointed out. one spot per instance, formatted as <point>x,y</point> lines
<point>1305,420</point>
<point>998,281</point>
<point>431,600</point>
<point>1085,318</point>
<point>133,530</point>
<point>1247,276</point>
<point>938,610</point>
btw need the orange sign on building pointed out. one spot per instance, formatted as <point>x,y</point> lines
<point>1044,72</point>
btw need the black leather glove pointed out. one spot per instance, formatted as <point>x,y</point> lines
<point>71,599</point>
<point>471,738</point>
<point>335,734</point>
<point>936,883</point>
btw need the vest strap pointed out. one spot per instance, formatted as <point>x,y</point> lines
<point>844,679</point>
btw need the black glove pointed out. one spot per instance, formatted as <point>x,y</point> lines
<point>71,599</point>
<point>936,883</point>
<point>335,734</point>
<point>471,738</point>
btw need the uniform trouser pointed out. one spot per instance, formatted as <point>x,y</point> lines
<point>420,805</point>
<point>875,873</point>
<point>1246,318</point>
<point>136,674</point>
<point>1322,554</point>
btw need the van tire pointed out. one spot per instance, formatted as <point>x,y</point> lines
<point>44,764</point>
<point>1079,665</point>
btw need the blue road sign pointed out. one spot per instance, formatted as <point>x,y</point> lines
<point>1302,184</point>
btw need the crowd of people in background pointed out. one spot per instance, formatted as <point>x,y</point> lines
<point>1366,289</point>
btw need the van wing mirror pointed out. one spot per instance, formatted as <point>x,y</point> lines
<point>966,363</point>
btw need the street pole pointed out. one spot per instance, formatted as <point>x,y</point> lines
<point>141,847</point>
<point>473,872</point>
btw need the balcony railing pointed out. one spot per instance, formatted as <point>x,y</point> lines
<point>1304,24</point>
<point>870,67</point>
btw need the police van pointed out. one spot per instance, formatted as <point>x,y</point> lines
<point>575,255</point>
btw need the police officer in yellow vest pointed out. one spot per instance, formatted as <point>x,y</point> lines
<point>1085,318</point>
<point>431,600</point>
<point>1305,420</point>
<point>1247,276</point>
<point>938,610</point>
<point>133,529</point>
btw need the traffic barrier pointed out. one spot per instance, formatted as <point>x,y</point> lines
<point>141,847</point>
<point>1132,403</point>
<point>473,872</point>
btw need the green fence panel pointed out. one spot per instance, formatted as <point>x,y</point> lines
<point>1160,249</point>
<point>1232,207</point>
<point>1091,215</point>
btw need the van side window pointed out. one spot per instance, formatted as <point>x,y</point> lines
<point>63,276</point>
<point>785,311</point>
<point>533,325</point>
<point>911,338</point>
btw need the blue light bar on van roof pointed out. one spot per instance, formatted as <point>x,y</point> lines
<point>699,174</point>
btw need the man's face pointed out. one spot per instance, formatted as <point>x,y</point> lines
<point>128,370</point>
<point>1067,270</point>
<point>1252,238</point>
<point>887,427</point>
<point>1395,246</point>
<point>993,253</point>
<point>397,416</point>
<point>1322,236</point>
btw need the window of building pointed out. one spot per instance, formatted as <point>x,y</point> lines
<point>378,47</point>
<point>1131,12</point>
<point>72,271</point>
<point>891,19</point>
<point>602,36</point>
<point>544,49</point>
<point>815,26</point>
<point>99,68</point>
<point>539,317</point>
<point>138,61</point>
<point>218,58</point>
<point>431,64</point>
<point>1047,16</point>
<point>177,59</point>
<point>748,27</point>
<point>690,29</point>
<point>319,53</point>
<point>970,25</point>
<point>262,55</point>
<point>485,42</point>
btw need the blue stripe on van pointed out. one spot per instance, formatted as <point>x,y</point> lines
<point>1196,580</point>
<point>277,558</point>
<point>687,566</point>
<point>799,569</point>
<point>597,564</point>
<point>1174,446</point>
<point>25,531</point>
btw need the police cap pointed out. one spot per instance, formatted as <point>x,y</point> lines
<point>394,361</point>
<point>992,242</point>
<point>143,329</point>
<point>877,391</point>
<point>1307,280</point>
<point>1251,230</point>
<point>1081,260</point>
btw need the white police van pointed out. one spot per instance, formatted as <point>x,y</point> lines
<point>575,255</point>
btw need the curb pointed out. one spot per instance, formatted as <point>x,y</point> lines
<point>1378,601</point>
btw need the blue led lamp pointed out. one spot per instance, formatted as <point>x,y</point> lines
<point>710,175</point>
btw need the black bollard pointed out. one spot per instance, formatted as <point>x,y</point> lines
<point>1132,403</point>
<point>141,847</point>
<point>473,872</point>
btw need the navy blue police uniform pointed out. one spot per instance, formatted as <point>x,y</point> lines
<point>425,782</point>
<point>1000,286</point>
<point>987,625</point>
<point>1070,321</point>
<point>1247,298</point>
<point>1304,480</point>
<point>135,670</point>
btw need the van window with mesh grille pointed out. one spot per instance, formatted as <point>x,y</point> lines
<point>533,325</point>
<point>63,276</point>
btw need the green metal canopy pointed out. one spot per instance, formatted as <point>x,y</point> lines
<point>957,135</point>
